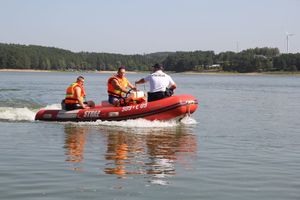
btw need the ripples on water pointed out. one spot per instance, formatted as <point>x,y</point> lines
<point>131,150</point>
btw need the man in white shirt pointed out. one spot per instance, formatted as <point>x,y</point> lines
<point>161,84</point>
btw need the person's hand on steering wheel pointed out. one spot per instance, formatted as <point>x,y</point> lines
<point>134,89</point>
<point>128,92</point>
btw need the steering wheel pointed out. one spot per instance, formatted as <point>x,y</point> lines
<point>124,103</point>
<point>127,93</point>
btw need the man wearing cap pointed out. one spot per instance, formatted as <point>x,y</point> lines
<point>161,84</point>
<point>116,85</point>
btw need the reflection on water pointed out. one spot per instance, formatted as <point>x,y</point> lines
<point>121,150</point>
<point>75,140</point>
<point>154,153</point>
<point>165,149</point>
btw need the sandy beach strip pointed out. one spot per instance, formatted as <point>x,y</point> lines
<point>23,70</point>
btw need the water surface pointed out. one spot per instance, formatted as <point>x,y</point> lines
<point>245,144</point>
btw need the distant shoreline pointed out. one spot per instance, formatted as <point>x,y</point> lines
<point>38,70</point>
<point>24,70</point>
<point>187,72</point>
<point>238,74</point>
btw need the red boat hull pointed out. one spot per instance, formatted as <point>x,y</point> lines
<point>175,107</point>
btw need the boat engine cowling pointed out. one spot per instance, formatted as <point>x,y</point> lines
<point>136,94</point>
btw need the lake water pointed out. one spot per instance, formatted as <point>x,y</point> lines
<point>245,143</point>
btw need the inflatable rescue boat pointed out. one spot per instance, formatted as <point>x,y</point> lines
<point>174,107</point>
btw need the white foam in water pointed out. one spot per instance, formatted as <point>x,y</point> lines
<point>22,114</point>
<point>53,107</point>
<point>16,114</point>
<point>133,123</point>
<point>188,120</point>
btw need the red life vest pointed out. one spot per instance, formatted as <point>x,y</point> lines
<point>71,97</point>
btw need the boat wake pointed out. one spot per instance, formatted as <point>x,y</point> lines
<point>133,123</point>
<point>188,120</point>
<point>138,125</point>
<point>16,114</point>
<point>22,114</point>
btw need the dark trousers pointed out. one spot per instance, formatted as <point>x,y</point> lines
<point>73,106</point>
<point>153,96</point>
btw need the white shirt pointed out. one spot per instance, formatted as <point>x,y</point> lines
<point>159,81</point>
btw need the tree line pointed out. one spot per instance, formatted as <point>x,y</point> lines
<point>15,56</point>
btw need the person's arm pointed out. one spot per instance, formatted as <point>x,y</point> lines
<point>116,85</point>
<point>80,100</point>
<point>141,81</point>
<point>173,86</point>
<point>131,86</point>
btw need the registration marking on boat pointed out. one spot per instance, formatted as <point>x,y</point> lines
<point>92,114</point>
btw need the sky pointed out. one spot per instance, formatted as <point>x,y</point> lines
<point>148,26</point>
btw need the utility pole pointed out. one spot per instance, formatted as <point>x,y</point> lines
<point>287,41</point>
<point>237,47</point>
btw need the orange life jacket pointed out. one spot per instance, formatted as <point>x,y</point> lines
<point>123,82</point>
<point>71,97</point>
